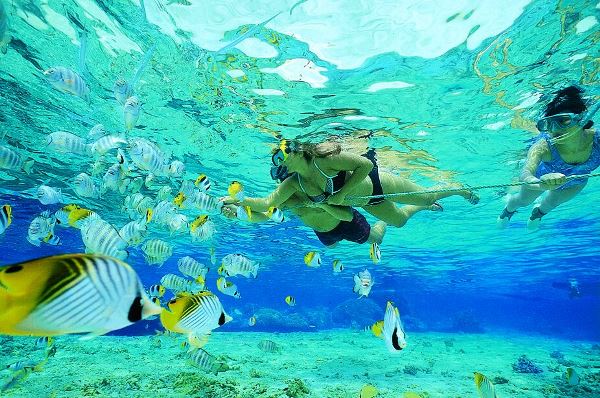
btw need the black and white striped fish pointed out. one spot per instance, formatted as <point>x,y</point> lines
<point>198,313</point>
<point>192,268</point>
<point>101,237</point>
<point>73,293</point>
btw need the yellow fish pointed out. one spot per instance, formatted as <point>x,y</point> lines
<point>156,291</point>
<point>572,377</point>
<point>149,214</point>
<point>377,329</point>
<point>179,199</point>
<point>368,391</point>
<point>72,293</point>
<point>72,215</point>
<point>410,394</point>
<point>5,217</point>
<point>202,182</point>
<point>252,321</point>
<point>375,253</point>
<point>194,313</point>
<point>338,266</point>
<point>198,222</point>
<point>236,190</point>
<point>312,259</point>
<point>290,300</point>
<point>485,388</point>
<point>198,340</point>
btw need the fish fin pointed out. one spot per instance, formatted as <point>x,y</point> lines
<point>27,165</point>
<point>34,242</point>
<point>93,335</point>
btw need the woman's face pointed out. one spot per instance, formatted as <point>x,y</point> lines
<point>293,160</point>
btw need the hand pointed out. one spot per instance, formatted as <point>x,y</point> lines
<point>336,199</point>
<point>228,200</point>
<point>229,211</point>
<point>552,181</point>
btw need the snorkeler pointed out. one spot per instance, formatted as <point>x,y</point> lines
<point>332,224</point>
<point>566,146</point>
<point>327,175</point>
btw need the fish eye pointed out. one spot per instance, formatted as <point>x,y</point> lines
<point>14,268</point>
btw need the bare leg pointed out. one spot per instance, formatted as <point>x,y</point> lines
<point>523,198</point>
<point>377,232</point>
<point>557,197</point>
<point>394,215</point>
<point>395,184</point>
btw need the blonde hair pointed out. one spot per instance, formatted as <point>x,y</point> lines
<point>310,150</point>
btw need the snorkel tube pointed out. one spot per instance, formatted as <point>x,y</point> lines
<point>589,115</point>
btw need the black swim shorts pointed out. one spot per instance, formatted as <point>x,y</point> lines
<point>357,231</point>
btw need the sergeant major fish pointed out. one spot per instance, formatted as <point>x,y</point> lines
<point>11,160</point>
<point>68,81</point>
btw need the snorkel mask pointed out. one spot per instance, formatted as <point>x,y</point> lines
<point>279,171</point>
<point>563,121</point>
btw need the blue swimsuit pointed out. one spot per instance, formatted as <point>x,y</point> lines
<point>558,165</point>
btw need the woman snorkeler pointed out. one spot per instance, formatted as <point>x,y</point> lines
<point>327,175</point>
<point>566,146</point>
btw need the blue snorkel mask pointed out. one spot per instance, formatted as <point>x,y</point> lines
<point>279,171</point>
<point>562,121</point>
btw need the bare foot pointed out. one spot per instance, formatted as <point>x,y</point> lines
<point>377,232</point>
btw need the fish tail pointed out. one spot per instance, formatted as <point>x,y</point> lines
<point>27,165</point>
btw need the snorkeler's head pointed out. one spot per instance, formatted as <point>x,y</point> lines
<point>566,110</point>
<point>291,153</point>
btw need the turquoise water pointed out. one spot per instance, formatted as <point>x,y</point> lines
<point>465,84</point>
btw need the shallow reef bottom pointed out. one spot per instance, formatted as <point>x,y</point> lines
<point>327,364</point>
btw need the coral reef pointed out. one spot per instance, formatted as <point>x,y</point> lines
<point>525,365</point>
<point>500,380</point>
<point>357,313</point>
<point>268,318</point>
<point>466,322</point>
<point>295,388</point>
<point>557,355</point>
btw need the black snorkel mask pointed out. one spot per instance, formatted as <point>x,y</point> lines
<point>562,121</point>
<point>279,171</point>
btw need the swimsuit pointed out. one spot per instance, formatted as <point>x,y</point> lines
<point>558,165</point>
<point>357,231</point>
<point>334,184</point>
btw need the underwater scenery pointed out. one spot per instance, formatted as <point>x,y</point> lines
<point>300,199</point>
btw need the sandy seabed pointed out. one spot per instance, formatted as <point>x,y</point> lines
<point>333,363</point>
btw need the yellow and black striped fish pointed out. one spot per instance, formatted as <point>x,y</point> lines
<point>5,217</point>
<point>194,313</point>
<point>485,388</point>
<point>72,293</point>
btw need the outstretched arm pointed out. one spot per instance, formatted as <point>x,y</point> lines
<point>275,199</point>
<point>536,154</point>
<point>230,211</point>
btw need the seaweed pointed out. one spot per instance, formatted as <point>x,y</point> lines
<point>295,388</point>
<point>525,365</point>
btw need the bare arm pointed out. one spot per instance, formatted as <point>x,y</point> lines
<point>275,199</point>
<point>342,213</point>
<point>534,157</point>
<point>230,211</point>
<point>358,165</point>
